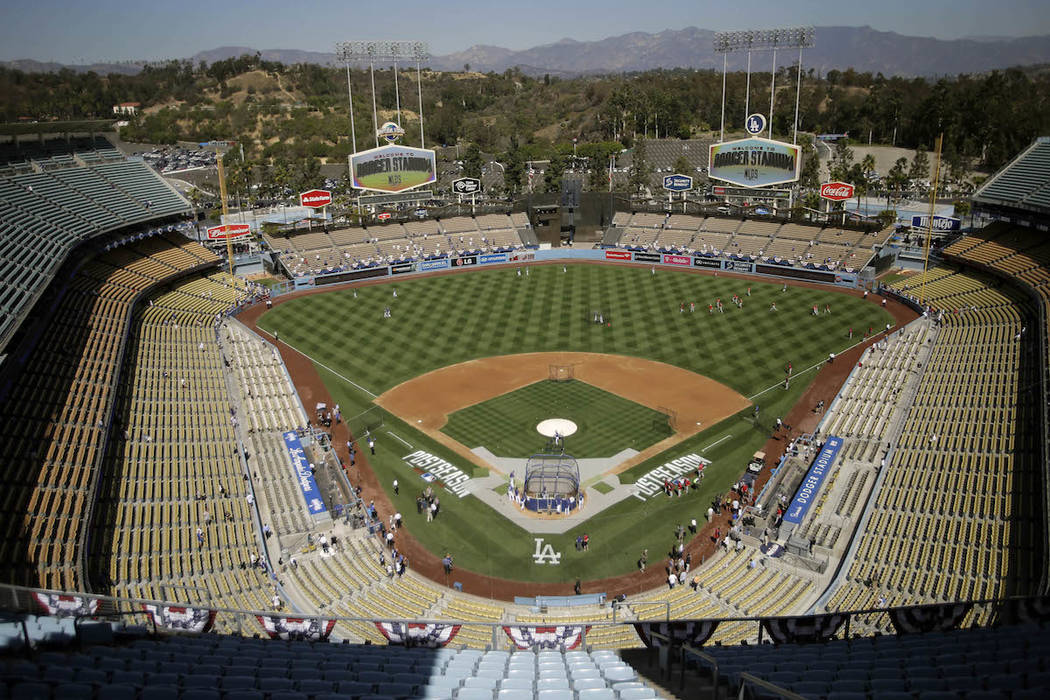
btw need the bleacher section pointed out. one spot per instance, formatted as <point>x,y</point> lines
<point>784,243</point>
<point>56,412</point>
<point>46,212</point>
<point>345,249</point>
<point>953,517</point>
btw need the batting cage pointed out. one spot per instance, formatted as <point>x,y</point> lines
<point>552,483</point>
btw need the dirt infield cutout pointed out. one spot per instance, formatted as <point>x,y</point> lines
<point>426,401</point>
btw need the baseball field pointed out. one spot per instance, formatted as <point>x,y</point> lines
<point>738,358</point>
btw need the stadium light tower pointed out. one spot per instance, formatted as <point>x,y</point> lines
<point>763,40</point>
<point>382,51</point>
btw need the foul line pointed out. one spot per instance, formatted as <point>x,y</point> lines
<point>812,367</point>
<point>321,364</point>
<point>721,439</point>
<point>400,440</point>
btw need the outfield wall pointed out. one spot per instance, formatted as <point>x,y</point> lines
<point>609,255</point>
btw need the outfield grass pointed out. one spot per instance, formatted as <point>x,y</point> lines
<point>454,318</point>
<point>606,423</point>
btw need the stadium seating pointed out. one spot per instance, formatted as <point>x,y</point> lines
<point>952,518</point>
<point>57,410</point>
<point>48,211</point>
<point>173,467</point>
<point>238,668</point>
<point>346,249</point>
<point>989,662</point>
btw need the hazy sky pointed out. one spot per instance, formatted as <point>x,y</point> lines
<point>84,31</point>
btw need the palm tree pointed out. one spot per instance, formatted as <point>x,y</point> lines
<point>867,165</point>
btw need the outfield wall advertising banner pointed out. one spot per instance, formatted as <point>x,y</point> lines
<point>401,268</point>
<point>221,233</point>
<point>754,162</point>
<point>810,486</point>
<point>465,261</point>
<point>301,467</point>
<point>393,168</point>
<point>617,255</point>
<point>677,260</point>
<point>707,262</point>
<point>733,266</point>
<point>489,258</point>
<point>940,223</point>
<point>433,265</point>
<point>647,257</point>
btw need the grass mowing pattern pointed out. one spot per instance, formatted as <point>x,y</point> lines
<point>606,423</point>
<point>443,320</point>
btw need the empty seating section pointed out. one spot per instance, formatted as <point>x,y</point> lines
<point>45,213</point>
<point>173,466</point>
<point>733,584</point>
<point>56,414</point>
<point>270,407</point>
<point>349,581</point>
<point>796,244</point>
<point>1024,181</point>
<point>1004,661</point>
<point>345,249</point>
<point>952,518</point>
<point>871,398</point>
<point>238,668</point>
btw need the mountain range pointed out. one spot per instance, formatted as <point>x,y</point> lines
<point>861,48</point>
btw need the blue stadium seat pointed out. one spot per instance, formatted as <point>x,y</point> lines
<point>275,685</point>
<point>314,686</point>
<point>351,688</point>
<point>74,691</point>
<point>552,684</point>
<point>118,691</point>
<point>288,695</point>
<point>31,691</point>
<point>478,682</point>
<point>238,682</point>
<point>160,692</point>
<point>597,694</point>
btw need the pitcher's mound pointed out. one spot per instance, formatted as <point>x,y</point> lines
<point>560,426</point>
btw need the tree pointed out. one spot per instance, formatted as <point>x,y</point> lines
<point>810,173</point>
<point>640,171</point>
<point>552,176</point>
<point>867,167</point>
<point>920,166</point>
<point>681,166</point>
<point>897,178</point>
<point>841,161</point>
<point>472,161</point>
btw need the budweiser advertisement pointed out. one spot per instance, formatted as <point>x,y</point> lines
<point>384,216</point>
<point>836,191</point>
<point>221,233</point>
<point>316,198</point>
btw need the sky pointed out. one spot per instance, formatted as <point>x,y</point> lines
<point>86,31</point>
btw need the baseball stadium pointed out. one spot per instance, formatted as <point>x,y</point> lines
<point>704,455</point>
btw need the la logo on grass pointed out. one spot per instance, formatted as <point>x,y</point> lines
<point>545,554</point>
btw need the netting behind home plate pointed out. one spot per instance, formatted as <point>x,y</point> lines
<point>552,476</point>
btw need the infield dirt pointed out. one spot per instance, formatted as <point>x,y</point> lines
<point>427,401</point>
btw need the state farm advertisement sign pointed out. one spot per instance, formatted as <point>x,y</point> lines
<point>221,233</point>
<point>677,260</point>
<point>836,191</point>
<point>617,255</point>
<point>316,198</point>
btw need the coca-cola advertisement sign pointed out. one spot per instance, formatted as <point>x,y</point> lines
<point>836,191</point>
